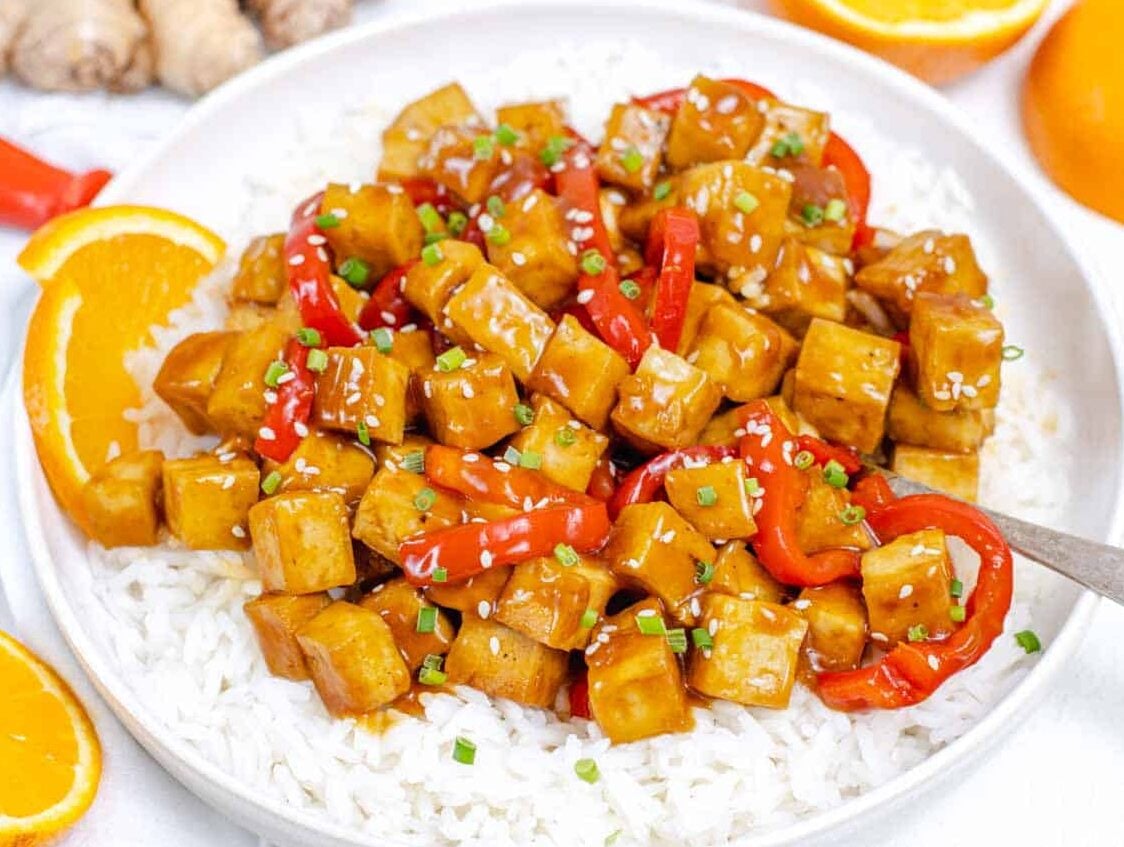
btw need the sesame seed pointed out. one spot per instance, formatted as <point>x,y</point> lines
<point>484,609</point>
<point>712,627</point>
<point>906,590</point>
<point>316,239</point>
<point>518,259</point>
<point>237,532</point>
<point>296,259</point>
<point>585,296</point>
<point>494,645</point>
<point>266,434</point>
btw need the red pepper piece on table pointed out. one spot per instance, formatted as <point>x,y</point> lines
<point>672,240</point>
<point>387,306</point>
<point>32,191</point>
<point>309,269</point>
<point>768,448</point>
<point>911,672</point>
<point>669,101</point>
<point>466,550</point>
<point>579,697</point>
<point>839,154</point>
<point>644,483</point>
<point>477,477</point>
<point>286,419</point>
<point>823,453</point>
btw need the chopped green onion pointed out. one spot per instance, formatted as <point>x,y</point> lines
<point>482,147</point>
<point>498,235</point>
<point>746,202</point>
<point>565,436</point>
<point>414,461</point>
<point>589,619</point>
<point>566,555</point>
<point>852,515</point>
<point>457,222</point>
<point>431,254</point>
<point>383,339</point>
<point>556,145</point>
<point>791,145</point>
<point>651,625</point>
<point>677,638</point>
<point>464,751</point>
<point>629,289</point>
<point>661,190</point>
<point>704,572</point>
<point>702,638</point>
<point>434,237</point>
<point>988,301</point>
<point>427,620</point>
<point>431,676</point>
<point>424,499</point>
<point>524,414</point>
<point>593,262</point>
<point>355,272</point>
<point>812,214</point>
<point>327,221</point>
<point>451,359</point>
<point>632,159</point>
<point>530,460</point>
<point>1028,640</point>
<point>440,575</point>
<point>834,475</point>
<point>956,589</point>
<point>317,360</point>
<point>586,769</point>
<point>835,210</point>
<point>432,660</point>
<point>918,633</point>
<point>956,613</point>
<point>363,433</point>
<point>271,483</point>
<point>752,486</point>
<point>512,456</point>
<point>803,460</point>
<point>506,136</point>
<point>1013,353</point>
<point>495,206</point>
<point>705,495</point>
<point>308,337</point>
<point>612,837</point>
<point>430,218</point>
<point>274,372</point>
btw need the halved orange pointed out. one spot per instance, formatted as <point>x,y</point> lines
<point>936,40</point>
<point>49,749</point>
<point>108,275</point>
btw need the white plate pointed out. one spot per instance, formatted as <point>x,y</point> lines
<point>199,169</point>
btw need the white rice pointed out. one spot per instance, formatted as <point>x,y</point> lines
<point>172,619</point>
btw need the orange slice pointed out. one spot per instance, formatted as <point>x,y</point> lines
<point>108,276</point>
<point>50,751</point>
<point>937,40</point>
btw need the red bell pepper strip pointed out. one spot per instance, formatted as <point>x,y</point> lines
<point>872,492</point>
<point>603,481</point>
<point>286,419</point>
<point>768,448</point>
<point>32,191</point>
<point>479,478</point>
<point>309,268</point>
<point>856,177</point>
<point>466,550</point>
<point>422,190</point>
<point>644,483</point>
<point>387,306</point>
<point>911,672</point>
<point>672,240</point>
<point>823,453</point>
<point>579,697</point>
<point>669,101</point>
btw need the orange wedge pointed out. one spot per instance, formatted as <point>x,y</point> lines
<point>108,276</point>
<point>936,40</point>
<point>49,749</point>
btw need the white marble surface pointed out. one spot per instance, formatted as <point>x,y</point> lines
<point>1058,778</point>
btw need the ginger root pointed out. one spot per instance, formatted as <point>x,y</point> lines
<point>79,45</point>
<point>286,22</point>
<point>200,43</point>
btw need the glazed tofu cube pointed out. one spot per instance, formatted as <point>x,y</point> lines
<point>477,595</point>
<point>653,548</point>
<point>957,474</point>
<point>387,515</point>
<point>821,189</point>
<point>738,573</point>
<point>724,428</point>
<point>261,276</point>
<point>632,146</point>
<point>360,387</point>
<point>717,121</point>
<point>756,648</point>
<point>379,225</point>
<point>537,257</point>
<point>466,160</point>
<point>926,262</point>
<point>276,619</point>
<point>120,500</point>
<point>406,138</point>
<point>302,542</point>
<point>837,627</point>
<point>580,371</point>
<point>666,403</point>
<point>713,498</point>
<point>207,501</point>
<point>843,382</point>
<point>429,287</point>
<point>818,525</point>
<point>237,402</point>
<point>324,461</point>
<point>187,377</point>
<point>394,456</point>
<point>906,586</point>
<point>700,301</point>
<point>535,122</point>
<point>635,685</point>
<point>353,660</point>
<point>351,299</point>
<point>955,351</point>
<point>737,244</point>
<point>912,422</point>
<point>473,406</point>
<point>399,603</point>
<point>806,283</point>
<point>546,600</point>
<point>569,450</point>
<point>802,135</point>
<point>495,314</point>
<point>744,352</point>
<point>414,349</point>
<point>504,663</point>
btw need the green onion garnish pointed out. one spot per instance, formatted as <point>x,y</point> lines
<point>791,145</point>
<point>629,289</point>
<point>434,237</point>
<point>495,206</point>
<point>586,769</point>
<point>457,222</point>
<point>271,483</point>
<point>566,555</point>
<point>812,214</point>
<point>1028,641</point>
<point>482,147</point>
<point>363,433</point>
<point>918,633</point>
<point>317,361</point>
<point>274,372</point>
<point>432,660</point>
<point>956,588</point>
<point>498,235</point>
<point>589,619</point>
<point>464,751</point>
<point>308,337</point>
<point>565,436</point>
<point>1012,353</point>
<point>512,456</point>
<point>661,190</point>
<point>593,262</point>
<point>355,272</point>
<point>327,221</point>
<point>431,254</point>
<point>439,575</point>
<point>988,301</point>
<point>803,460</point>
<point>427,619</point>
<point>383,339</point>
<point>705,495</point>
<point>612,837</point>
<point>852,515</point>
<point>632,159</point>
<point>834,475</point>
<point>956,613</point>
<point>530,460</point>
<point>524,414</point>
<point>556,145</point>
<point>431,676</point>
<point>506,136</point>
<point>429,217</point>
<point>651,625</point>
<point>835,210</point>
<point>702,638</point>
<point>424,499</point>
<point>704,572</point>
<point>414,461</point>
<point>746,202</point>
<point>752,486</point>
<point>677,638</point>
<point>451,359</point>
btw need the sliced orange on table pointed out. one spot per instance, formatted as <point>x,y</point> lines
<point>936,40</point>
<point>108,276</point>
<point>50,755</point>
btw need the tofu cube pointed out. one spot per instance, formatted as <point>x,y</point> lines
<point>398,603</point>
<point>495,314</point>
<point>465,160</point>
<point>806,283</point>
<point>207,501</point>
<point>429,287</point>
<point>955,353</point>
<point>504,663</point>
<point>324,461</point>
<point>819,187</point>
<point>302,542</point>
<point>580,371</point>
<point>837,627</point>
<point>738,573</point>
<point>262,276</point>
<point>728,427</point>
<point>699,302</point>
<point>912,422</point>
<point>818,526</point>
<point>536,122</point>
<point>569,450</point>
<point>713,498</point>
<point>387,515</point>
<point>537,257</point>
<point>414,349</point>
<point>276,619</point>
<point>906,584</point>
<point>744,352</point>
<point>187,377</point>
<point>408,135</point>
<point>635,685</point>
<point>717,121</point>
<point>666,403</point>
<point>632,147</point>
<point>473,406</point>
<point>755,652</point>
<point>361,386</point>
<point>843,382</point>
<point>379,226</point>
<point>353,660</point>
<point>783,121</point>
<point>957,474</point>
<point>120,500</point>
<point>351,299</point>
<point>237,403</point>
<point>477,595</point>
<point>653,548</point>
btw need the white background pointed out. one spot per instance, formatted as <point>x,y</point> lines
<point>1056,779</point>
